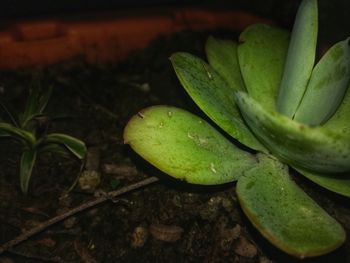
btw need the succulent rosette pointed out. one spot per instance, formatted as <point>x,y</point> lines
<point>267,92</point>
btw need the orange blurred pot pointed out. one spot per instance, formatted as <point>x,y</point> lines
<point>44,42</point>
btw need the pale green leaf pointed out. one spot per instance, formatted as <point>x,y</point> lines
<point>185,146</point>
<point>313,148</point>
<point>213,95</point>
<point>300,59</point>
<point>262,55</point>
<point>328,84</point>
<point>284,214</point>
<point>222,56</point>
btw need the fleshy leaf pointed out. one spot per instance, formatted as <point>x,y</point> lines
<point>28,159</point>
<point>185,147</point>
<point>284,214</point>
<point>312,148</point>
<point>8,130</point>
<point>339,184</point>
<point>300,58</point>
<point>214,96</point>
<point>328,84</point>
<point>74,145</point>
<point>222,56</point>
<point>340,121</point>
<point>262,55</point>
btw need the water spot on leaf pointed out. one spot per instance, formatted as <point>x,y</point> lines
<point>212,168</point>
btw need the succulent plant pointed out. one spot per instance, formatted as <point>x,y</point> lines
<point>268,94</point>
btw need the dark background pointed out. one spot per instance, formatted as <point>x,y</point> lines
<point>333,15</point>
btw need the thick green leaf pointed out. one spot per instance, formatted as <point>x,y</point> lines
<point>262,55</point>
<point>8,130</point>
<point>336,183</point>
<point>328,84</point>
<point>313,148</point>
<point>222,56</point>
<point>284,214</point>
<point>28,159</point>
<point>214,96</point>
<point>185,147</point>
<point>340,121</point>
<point>74,145</point>
<point>300,58</point>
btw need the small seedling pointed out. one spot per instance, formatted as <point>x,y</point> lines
<point>26,129</point>
<point>266,92</point>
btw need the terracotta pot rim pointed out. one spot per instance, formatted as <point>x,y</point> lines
<point>106,39</point>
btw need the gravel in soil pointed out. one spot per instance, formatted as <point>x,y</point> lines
<point>165,222</point>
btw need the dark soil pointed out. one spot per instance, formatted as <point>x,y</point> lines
<point>168,221</point>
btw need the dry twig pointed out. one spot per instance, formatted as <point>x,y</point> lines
<point>109,196</point>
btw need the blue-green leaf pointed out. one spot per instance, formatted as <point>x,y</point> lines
<point>328,84</point>
<point>185,146</point>
<point>284,214</point>
<point>313,148</point>
<point>300,58</point>
<point>340,121</point>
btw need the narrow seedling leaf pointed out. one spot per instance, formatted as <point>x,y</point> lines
<point>328,84</point>
<point>28,159</point>
<point>312,148</point>
<point>9,112</point>
<point>339,184</point>
<point>284,214</point>
<point>8,130</point>
<point>300,58</point>
<point>54,148</point>
<point>185,146</point>
<point>262,55</point>
<point>74,145</point>
<point>222,56</point>
<point>214,96</point>
<point>36,104</point>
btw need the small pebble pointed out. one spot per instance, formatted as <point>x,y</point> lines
<point>167,233</point>
<point>145,87</point>
<point>244,248</point>
<point>139,237</point>
<point>89,180</point>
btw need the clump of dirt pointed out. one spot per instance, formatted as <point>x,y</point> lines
<point>168,221</point>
